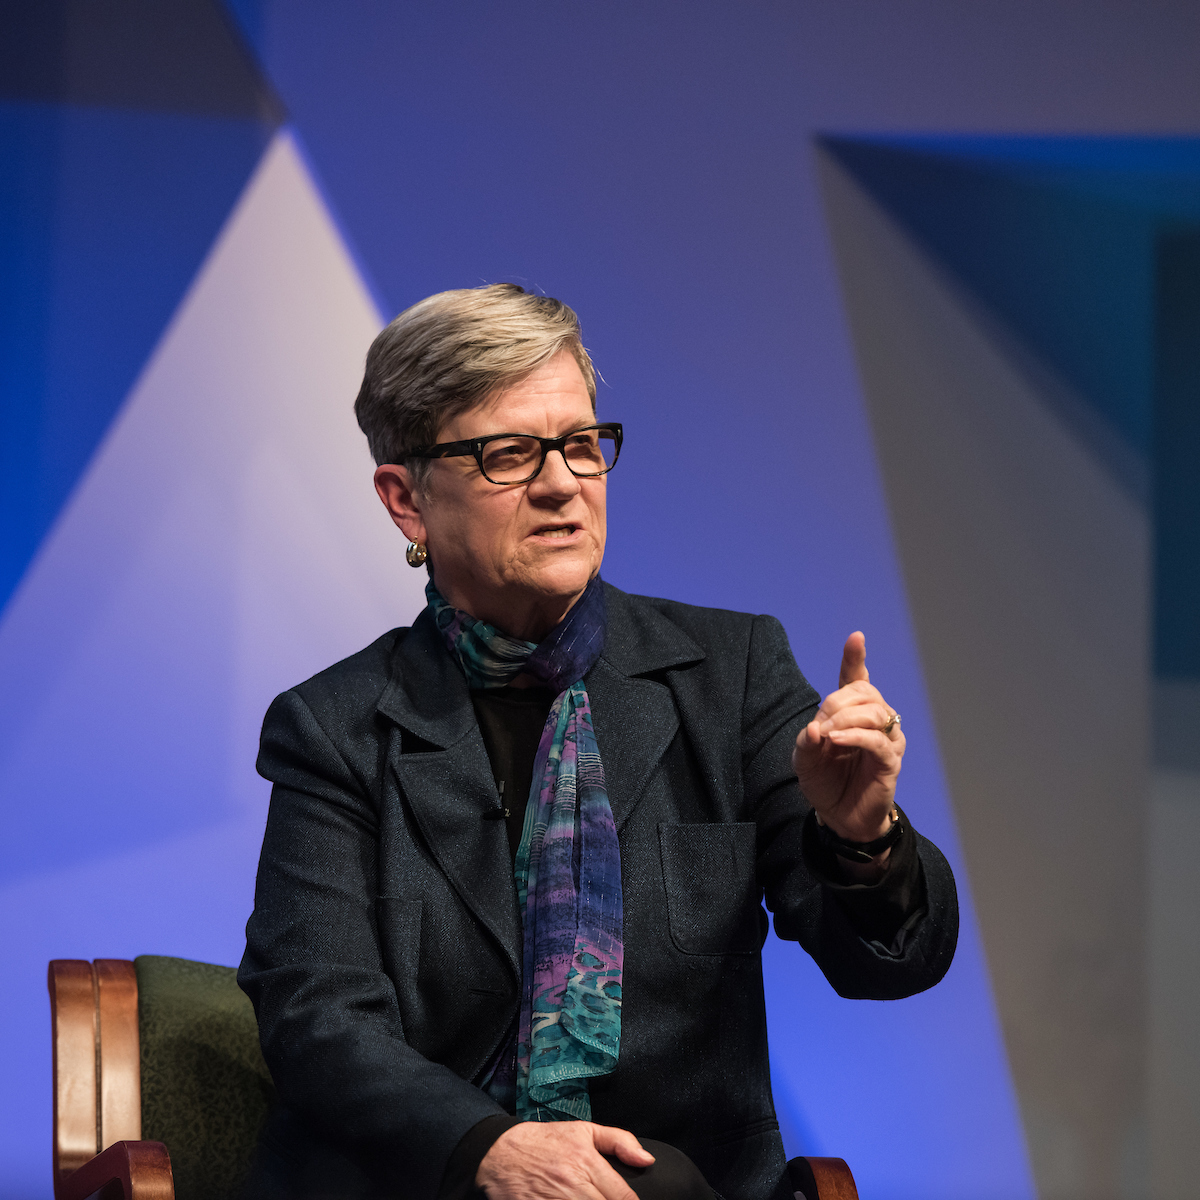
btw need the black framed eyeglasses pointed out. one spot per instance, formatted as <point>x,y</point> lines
<point>519,457</point>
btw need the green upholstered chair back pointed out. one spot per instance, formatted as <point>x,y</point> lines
<point>205,1088</point>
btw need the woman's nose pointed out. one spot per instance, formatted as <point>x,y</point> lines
<point>555,477</point>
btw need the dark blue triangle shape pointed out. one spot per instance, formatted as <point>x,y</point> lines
<point>1089,248</point>
<point>122,153</point>
<point>1056,236</point>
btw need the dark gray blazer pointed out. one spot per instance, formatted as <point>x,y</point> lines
<point>384,951</point>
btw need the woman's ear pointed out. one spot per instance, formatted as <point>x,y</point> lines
<point>400,497</point>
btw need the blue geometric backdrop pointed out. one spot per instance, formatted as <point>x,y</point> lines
<point>127,132</point>
<point>204,217</point>
<point>1067,240</point>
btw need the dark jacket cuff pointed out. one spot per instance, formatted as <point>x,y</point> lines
<point>885,912</point>
<point>458,1183</point>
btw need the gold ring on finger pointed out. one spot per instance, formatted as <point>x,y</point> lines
<point>893,721</point>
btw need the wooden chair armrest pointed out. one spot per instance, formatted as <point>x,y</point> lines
<point>822,1178</point>
<point>125,1171</point>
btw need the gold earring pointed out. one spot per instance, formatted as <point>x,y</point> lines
<point>416,554</point>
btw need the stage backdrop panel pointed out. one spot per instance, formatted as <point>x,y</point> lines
<point>800,253</point>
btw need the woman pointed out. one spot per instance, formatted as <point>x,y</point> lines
<point>509,908</point>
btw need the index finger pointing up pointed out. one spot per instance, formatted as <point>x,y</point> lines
<point>854,661</point>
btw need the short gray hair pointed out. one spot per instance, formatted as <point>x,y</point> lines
<point>443,355</point>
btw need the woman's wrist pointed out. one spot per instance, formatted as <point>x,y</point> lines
<point>851,841</point>
<point>872,872</point>
<point>862,860</point>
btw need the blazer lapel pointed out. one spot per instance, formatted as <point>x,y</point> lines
<point>447,781</point>
<point>635,718</point>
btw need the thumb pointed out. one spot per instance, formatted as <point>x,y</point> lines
<point>854,661</point>
<point>623,1144</point>
<point>807,750</point>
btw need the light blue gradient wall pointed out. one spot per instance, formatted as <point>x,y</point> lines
<point>653,165</point>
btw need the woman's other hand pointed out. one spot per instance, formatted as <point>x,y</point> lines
<point>562,1160</point>
<point>847,758</point>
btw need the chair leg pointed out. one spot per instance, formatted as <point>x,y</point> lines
<point>822,1179</point>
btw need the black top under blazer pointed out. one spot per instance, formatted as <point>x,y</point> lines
<point>384,952</point>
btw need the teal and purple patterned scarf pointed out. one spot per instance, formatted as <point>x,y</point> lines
<point>568,870</point>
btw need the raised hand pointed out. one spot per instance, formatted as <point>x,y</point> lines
<point>561,1160</point>
<point>848,756</point>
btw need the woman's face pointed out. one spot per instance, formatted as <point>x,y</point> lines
<point>515,555</point>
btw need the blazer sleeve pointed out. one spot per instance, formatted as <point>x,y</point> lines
<point>328,1017</point>
<point>778,703</point>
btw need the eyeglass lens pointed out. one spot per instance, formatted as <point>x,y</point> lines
<point>515,459</point>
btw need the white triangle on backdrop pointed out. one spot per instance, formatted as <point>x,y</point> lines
<point>224,544</point>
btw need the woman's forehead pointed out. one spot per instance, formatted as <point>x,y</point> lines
<point>551,401</point>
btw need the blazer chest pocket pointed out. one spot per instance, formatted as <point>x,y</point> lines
<point>713,904</point>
